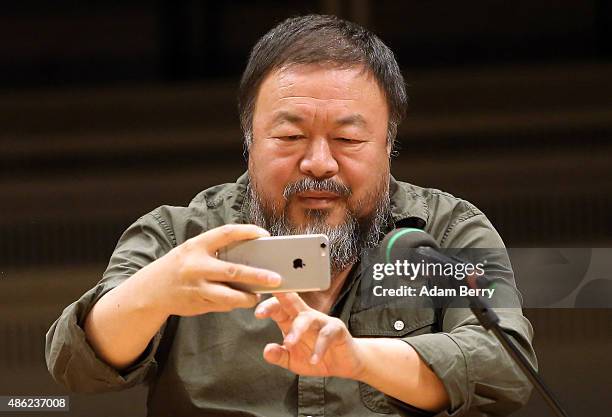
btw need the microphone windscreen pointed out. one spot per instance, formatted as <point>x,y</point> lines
<point>396,242</point>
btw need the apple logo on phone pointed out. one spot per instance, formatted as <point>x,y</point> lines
<point>298,263</point>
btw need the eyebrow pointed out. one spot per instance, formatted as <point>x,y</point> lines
<point>285,116</point>
<point>353,119</point>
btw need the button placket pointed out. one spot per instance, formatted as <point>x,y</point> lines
<point>311,396</point>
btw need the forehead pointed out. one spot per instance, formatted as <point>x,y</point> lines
<point>318,85</point>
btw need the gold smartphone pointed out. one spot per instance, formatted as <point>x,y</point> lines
<point>301,260</point>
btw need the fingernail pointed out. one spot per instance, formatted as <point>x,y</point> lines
<point>274,279</point>
<point>260,310</point>
<point>289,338</point>
<point>314,359</point>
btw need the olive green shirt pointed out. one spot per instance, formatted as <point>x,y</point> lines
<point>212,364</point>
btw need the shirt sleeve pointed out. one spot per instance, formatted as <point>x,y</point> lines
<point>70,359</point>
<point>476,371</point>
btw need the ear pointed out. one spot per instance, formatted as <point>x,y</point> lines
<point>245,152</point>
<point>247,145</point>
<point>249,161</point>
<point>390,154</point>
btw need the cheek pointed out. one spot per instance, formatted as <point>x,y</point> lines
<point>365,176</point>
<point>363,167</point>
<point>272,167</point>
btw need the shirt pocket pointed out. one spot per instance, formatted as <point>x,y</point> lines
<point>396,320</point>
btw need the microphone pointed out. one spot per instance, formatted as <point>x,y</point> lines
<point>414,247</point>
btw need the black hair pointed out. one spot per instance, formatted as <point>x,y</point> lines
<point>321,39</point>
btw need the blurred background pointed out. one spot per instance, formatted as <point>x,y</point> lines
<point>109,109</point>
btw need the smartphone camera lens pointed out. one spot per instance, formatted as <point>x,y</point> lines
<point>323,245</point>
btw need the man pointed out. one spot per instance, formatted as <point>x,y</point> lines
<point>320,102</point>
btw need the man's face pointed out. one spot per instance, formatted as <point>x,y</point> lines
<point>319,158</point>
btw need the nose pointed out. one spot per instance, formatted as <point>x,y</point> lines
<point>319,161</point>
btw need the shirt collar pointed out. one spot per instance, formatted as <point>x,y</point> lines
<point>408,206</point>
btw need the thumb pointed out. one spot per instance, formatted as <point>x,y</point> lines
<point>276,355</point>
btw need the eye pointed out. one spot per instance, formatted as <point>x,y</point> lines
<point>349,141</point>
<point>291,138</point>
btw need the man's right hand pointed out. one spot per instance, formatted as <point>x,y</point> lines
<point>191,280</point>
<point>187,281</point>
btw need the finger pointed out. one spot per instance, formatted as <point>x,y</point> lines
<point>276,355</point>
<point>271,309</point>
<point>292,303</point>
<point>301,324</point>
<point>225,298</point>
<point>327,335</point>
<point>218,270</point>
<point>266,308</point>
<point>221,236</point>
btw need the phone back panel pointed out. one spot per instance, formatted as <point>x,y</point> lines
<point>302,261</point>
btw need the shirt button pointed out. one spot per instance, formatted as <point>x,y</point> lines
<point>398,325</point>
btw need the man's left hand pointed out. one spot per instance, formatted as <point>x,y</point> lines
<point>314,344</point>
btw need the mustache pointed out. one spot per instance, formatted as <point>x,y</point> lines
<point>311,184</point>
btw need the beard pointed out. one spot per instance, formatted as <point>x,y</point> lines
<point>347,240</point>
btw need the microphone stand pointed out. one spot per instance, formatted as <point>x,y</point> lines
<point>490,321</point>
<point>425,245</point>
